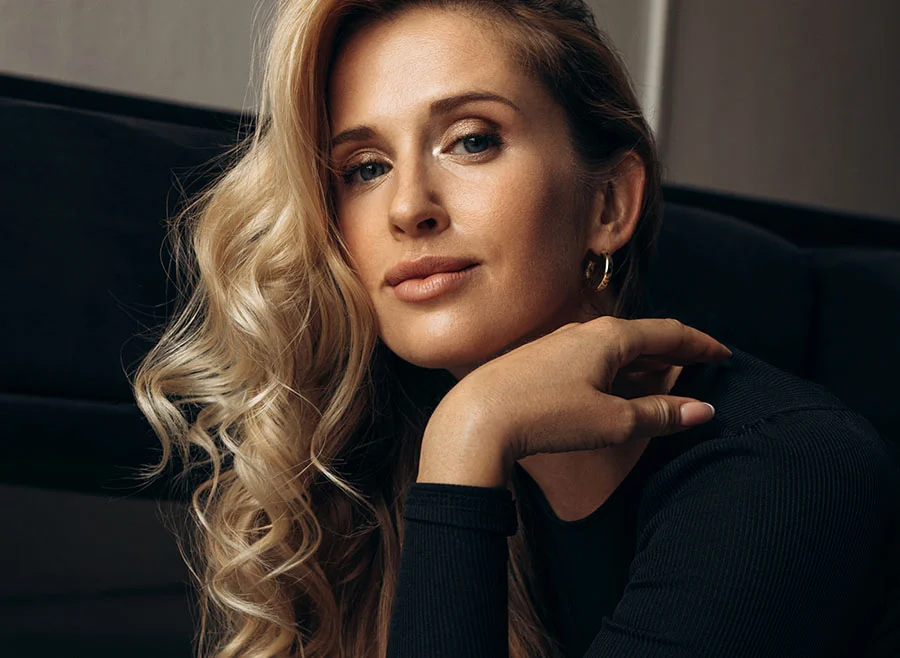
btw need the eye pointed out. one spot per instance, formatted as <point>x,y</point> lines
<point>368,171</point>
<point>479,142</point>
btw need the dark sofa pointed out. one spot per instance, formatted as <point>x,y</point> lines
<point>89,177</point>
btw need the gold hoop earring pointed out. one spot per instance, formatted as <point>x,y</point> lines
<point>607,272</point>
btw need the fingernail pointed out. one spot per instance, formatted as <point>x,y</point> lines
<point>694,413</point>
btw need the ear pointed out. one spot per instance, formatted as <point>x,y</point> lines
<point>617,206</point>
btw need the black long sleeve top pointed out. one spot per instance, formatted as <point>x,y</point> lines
<point>772,530</point>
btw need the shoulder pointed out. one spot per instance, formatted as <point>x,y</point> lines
<point>771,414</point>
<point>805,474</point>
<point>784,522</point>
<point>767,531</point>
<point>745,389</point>
<point>788,439</point>
<point>807,447</point>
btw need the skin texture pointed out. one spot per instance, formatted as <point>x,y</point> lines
<point>512,208</point>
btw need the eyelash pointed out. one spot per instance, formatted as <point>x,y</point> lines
<point>494,141</point>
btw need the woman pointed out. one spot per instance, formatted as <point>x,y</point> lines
<point>415,354</point>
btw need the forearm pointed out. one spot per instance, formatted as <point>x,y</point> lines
<point>452,586</point>
<point>451,595</point>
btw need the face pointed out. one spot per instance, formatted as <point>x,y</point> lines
<point>453,151</point>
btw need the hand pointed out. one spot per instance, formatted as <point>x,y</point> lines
<point>557,393</point>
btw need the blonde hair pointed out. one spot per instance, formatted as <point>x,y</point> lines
<point>299,429</point>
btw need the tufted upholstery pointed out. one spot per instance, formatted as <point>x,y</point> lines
<point>86,195</point>
<point>737,282</point>
<point>828,314</point>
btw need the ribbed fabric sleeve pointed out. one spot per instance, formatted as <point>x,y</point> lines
<point>451,598</point>
<point>762,541</point>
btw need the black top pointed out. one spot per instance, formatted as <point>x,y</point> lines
<point>771,530</point>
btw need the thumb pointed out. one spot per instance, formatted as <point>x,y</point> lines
<point>660,415</point>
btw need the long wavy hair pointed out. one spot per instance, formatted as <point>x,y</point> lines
<point>297,430</point>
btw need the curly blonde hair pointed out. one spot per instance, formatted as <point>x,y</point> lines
<point>298,428</point>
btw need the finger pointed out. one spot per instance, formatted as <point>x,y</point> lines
<point>658,415</point>
<point>668,339</point>
<point>636,384</point>
<point>657,362</point>
<point>650,363</point>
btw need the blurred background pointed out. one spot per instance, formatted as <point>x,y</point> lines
<point>792,102</point>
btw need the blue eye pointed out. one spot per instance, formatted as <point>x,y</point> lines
<point>370,168</point>
<point>480,142</point>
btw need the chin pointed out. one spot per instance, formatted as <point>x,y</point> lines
<point>460,342</point>
<point>444,359</point>
<point>445,354</point>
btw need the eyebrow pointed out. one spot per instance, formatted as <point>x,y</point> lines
<point>439,107</point>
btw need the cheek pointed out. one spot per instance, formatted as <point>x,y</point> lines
<point>533,220</point>
<point>362,244</point>
<point>522,195</point>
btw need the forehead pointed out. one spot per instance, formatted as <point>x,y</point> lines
<point>420,55</point>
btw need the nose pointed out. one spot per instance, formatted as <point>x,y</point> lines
<point>414,208</point>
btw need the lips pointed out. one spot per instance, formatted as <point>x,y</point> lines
<point>424,267</point>
<point>434,286</point>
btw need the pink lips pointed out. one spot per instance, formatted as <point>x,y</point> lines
<point>429,276</point>
<point>434,285</point>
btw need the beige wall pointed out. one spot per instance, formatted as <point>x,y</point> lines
<point>194,51</point>
<point>795,101</point>
<point>638,29</point>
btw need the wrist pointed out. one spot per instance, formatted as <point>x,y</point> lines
<point>458,447</point>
